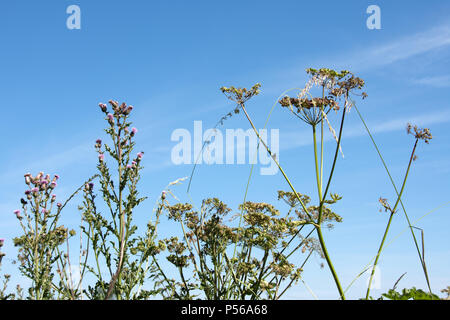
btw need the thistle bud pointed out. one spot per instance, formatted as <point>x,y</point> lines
<point>128,110</point>
<point>17,213</point>
<point>102,107</point>
<point>35,191</point>
<point>28,194</point>
<point>114,104</point>
<point>27,178</point>
<point>110,119</point>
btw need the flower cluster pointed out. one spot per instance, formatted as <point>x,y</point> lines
<point>208,246</point>
<point>240,95</point>
<point>333,84</point>
<point>305,103</point>
<point>39,190</point>
<point>39,245</point>
<point>420,134</point>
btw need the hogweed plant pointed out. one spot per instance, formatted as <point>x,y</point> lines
<point>419,134</point>
<point>335,87</point>
<point>208,263</point>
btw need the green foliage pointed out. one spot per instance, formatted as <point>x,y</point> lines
<point>217,257</point>
<point>116,248</point>
<point>40,254</point>
<point>226,261</point>
<point>409,294</point>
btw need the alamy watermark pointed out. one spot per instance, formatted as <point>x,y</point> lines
<point>374,20</point>
<point>235,146</point>
<point>74,20</point>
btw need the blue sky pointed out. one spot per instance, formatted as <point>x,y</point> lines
<point>169,58</point>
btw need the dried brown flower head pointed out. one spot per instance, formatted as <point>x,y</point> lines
<point>241,95</point>
<point>385,205</point>
<point>423,134</point>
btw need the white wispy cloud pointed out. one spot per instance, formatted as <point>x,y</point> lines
<point>435,81</point>
<point>55,161</point>
<point>401,49</point>
<point>295,139</point>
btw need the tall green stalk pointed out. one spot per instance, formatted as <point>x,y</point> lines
<point>317,226</point>
<point>422,259</point>
<point>390,219</point>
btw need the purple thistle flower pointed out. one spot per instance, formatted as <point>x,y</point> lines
<point>59,205</point>
<point>110,118</point>
<point>98,141</point>
<point>2,241</point>
<point>140,155</point>
<point>134,131</point>
<point>129,166</point>
<point>35,190</point>
<point>17,213</point>
<point>27,192</point>
<point>53,184</point>
<point>101,157</point>
<point>56,176</point>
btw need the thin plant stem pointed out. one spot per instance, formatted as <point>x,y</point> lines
<point>390,219</point>
<point>276,162</point>
<point>322,200</point>
<point>422,261</point>
<point>319,184</point>
<point>319,232</point>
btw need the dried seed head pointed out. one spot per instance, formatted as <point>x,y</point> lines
<point>241,95</point>
<point>385,205</point>
<point>423,134</point>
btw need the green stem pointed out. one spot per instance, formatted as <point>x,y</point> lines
<point>322,199</point>
<point>277,163</point>
<point>319,232</point>
<point>319,184</point>
<point>422,260</point>
<point>390,219</point>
